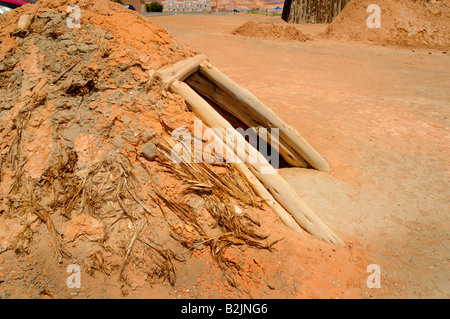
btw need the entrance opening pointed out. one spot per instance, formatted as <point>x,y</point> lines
<point>252,139</point>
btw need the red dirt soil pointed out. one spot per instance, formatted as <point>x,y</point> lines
<point>380,117</point>
<point>271,31</point>
<point>131,31</point>
<point>78,97</point>
<point>406,23</point>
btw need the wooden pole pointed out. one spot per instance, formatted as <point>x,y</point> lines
<point>246,115</point>
<point>287,133</point>
<point>179,71</point>
<point>280,189</point>
<point>260,190</point>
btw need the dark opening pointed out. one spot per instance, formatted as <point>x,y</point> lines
<point>252,139</point>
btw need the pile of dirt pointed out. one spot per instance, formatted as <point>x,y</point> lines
<point>269,30</point>
<point>407,23</point>
<point>85,167</point>
<point>84,142</point>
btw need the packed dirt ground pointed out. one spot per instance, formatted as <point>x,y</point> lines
<point>380,117</point>
<point>87,178</point>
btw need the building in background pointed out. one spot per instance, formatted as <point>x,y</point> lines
<point>186,5</point>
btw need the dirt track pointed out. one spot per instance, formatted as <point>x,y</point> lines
<point>380,117</point>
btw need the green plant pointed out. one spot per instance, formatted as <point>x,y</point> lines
<point>154,7</point>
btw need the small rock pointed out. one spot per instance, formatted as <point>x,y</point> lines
<point>148,135</point>
<point>72,49</point>
<point>148,150</point>
<point>126,119</point>
<point>84,48</point>
<point>65,36</point>
<point>56,67</point>
<point>66,42</point>
<point>118,141</point>
<point>109,36</point>
<point>130,137</point>
<point>3,295</point>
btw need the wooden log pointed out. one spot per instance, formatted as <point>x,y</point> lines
<point>179,71</point>
<point>246,115</point>
<point>265,195</point>
<point>260,190</point>
<point>287,133</point>
<point>274,183</point>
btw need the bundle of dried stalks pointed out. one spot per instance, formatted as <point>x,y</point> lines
<point>108,192</point>
<point>218,193</point>
<point>202,177</point>
<point>112,181</point>
<point>26,202</point>
<point>111,193</point>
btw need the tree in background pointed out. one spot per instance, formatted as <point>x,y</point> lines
<point>154,7</point>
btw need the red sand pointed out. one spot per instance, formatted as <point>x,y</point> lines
<point>102,107</point>
<point>268,30</point>
<point>407,23</point>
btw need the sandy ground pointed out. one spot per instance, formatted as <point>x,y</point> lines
<point>381,118</point>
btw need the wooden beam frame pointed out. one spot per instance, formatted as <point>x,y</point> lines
<point>274,183</point>
<point>179,71</point>
<point>208,89</point>
<point>263,113</point>
<point>267,183</point>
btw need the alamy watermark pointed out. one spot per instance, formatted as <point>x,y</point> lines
<point>74,19</point>
<point>74,279</point>
<point>374,20</point>
<point>374,279</point>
